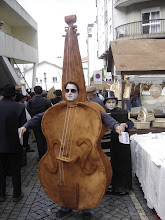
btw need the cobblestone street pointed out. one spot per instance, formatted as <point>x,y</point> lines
<point>37,205</point>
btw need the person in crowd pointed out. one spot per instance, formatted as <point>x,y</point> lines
<point>12,116</point>
<point>1,96</point>
<point>129,101</point>
<point>37,105</point>
<point>71,94</point>
<point>104,93</point>
<point>21,99</point>
<point>31,95</point>
<point>136,100</point>
<point>99,94</point>
<point>120,153</point>
<point>91,94</point>
<point>58,98</point>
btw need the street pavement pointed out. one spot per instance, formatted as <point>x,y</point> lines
<point>36,204</point>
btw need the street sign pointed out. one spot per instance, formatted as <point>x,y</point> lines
<point>97,76</point>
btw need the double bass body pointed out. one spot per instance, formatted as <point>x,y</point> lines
<point>74,172</point>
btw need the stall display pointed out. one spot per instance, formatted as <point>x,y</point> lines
<point>127,91</point>
<point>144,115</point>
<point>148,163</point>
<point>158,123</point>
<point>144,118</point>
<point>117,89</point>
<point>155,90</point>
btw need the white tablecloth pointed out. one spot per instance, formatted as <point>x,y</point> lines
<point>148,161</point>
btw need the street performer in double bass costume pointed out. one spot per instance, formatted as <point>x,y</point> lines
<point>74,172</point>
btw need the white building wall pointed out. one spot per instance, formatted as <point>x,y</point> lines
<point>134,11</point>
<point>119,16</point>
<point>50,70</point>
<point>94,62</point>
<point>110,20</point>
<point>18,35</point>
<point>85,70</point>
<point>100,23</point>
<point>13,48</point>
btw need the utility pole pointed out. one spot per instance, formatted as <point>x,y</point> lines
<point>45,79</point>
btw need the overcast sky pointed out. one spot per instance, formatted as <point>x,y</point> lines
<point>49,14</point>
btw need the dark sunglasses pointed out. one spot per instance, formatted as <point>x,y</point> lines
<point>72,90</point>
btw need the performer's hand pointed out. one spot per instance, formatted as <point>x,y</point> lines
<point>119,129</point>
<point>23,129</point>
<point>124,125</point>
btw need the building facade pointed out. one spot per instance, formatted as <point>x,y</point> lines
<point>120,20</point>
<point>48,75</point>
<point>18,42</point>
<point>94,63</point>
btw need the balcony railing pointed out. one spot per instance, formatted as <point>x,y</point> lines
<point>156,26</point>
<point>125,3</point>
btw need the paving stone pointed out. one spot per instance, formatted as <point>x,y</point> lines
<point>36,204</point>
<point>21,218</point>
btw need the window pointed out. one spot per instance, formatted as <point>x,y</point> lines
<point>54,79</point>
<point>151,21</point>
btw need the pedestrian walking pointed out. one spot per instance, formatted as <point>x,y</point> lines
<point>37,105</point>
<point>12,116</point>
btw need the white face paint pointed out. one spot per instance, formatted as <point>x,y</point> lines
<point>71,92</point>
<point>110,104</point>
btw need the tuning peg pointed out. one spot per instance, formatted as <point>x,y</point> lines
<point>74,26</point>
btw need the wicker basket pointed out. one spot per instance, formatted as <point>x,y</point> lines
<point>145,116</point>
<point>158,111</point>
<point>142,123</point>
<point>134,114</point>
<point>159,123</point>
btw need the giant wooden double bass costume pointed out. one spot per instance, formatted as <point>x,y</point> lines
<point>74,172</point>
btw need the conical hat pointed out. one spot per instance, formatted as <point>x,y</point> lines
<point>50,94</point>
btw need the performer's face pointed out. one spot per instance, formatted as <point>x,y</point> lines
<point>110,104</point>
<point>71,92</point>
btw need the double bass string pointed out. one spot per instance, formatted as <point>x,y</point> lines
<point>66,115</point>
<point>66,131</point>
<point>74,116</point>
<point>69,51</point>
<point>70,79</point>
<point>62,141</point>
<point>64,144</point>
<point>68,138</point>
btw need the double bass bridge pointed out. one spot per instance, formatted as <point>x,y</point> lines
<point>66,159</point>
<point>65,156</point>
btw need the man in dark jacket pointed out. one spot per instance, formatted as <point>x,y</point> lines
<point>37,105</point>
<point>12,116</point>
<point>92,96</point>
<point>58,98</point>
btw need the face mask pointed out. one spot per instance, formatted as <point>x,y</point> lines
<point>71,92</point>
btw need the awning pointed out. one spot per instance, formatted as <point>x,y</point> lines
<point>138,55</point>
